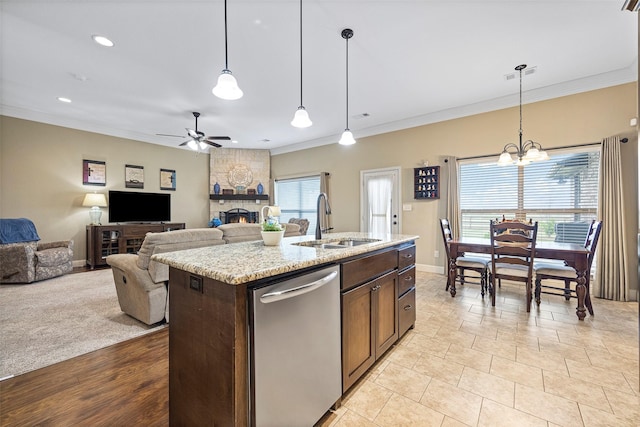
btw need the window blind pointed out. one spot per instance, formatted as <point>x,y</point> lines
<point>297,198</point>
<point>561,194</point>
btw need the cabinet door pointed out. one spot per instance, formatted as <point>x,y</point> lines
<point>358,349</point>
<point>385,315</point>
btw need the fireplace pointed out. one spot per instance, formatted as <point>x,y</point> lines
<point>239,215</point>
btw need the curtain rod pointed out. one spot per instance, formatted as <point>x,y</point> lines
<point>623,140</point>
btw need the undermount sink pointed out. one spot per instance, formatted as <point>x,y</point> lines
<point>336,243</point>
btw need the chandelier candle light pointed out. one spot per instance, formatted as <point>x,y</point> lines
<point>347,136</point>
<point>96,201</point>
<point>529,151</point>
<point>227,87</point>
<point>301,118</point>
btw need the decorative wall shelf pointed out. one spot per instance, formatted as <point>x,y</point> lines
<point>239,197</point>
<point>426,182</point>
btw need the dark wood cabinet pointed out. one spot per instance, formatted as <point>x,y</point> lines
<point>369,312</point>
<point>105,240</point>
<point>406,289</point>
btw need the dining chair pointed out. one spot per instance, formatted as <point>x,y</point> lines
<point>477,264</point>
<point>549,270</point>
<point>513,249</point>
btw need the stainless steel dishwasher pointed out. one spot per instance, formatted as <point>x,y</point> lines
<point>296,348</point>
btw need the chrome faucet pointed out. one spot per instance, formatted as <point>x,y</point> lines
<point>327,210</point>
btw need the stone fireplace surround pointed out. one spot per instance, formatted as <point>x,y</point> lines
<point>222,161</point>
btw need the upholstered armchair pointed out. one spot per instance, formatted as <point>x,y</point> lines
<point>142,284</point>
<point>302,222</point>
<point>25,260</point>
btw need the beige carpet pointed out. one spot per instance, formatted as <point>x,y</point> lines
<point>46,322</point>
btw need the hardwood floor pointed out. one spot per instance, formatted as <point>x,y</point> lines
<point>124,384</point>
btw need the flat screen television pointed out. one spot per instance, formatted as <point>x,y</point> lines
<point>130,206</point>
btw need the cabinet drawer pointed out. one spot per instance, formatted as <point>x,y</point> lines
<point>369,267</point>
<point>406,280</point>
<point>406,257</point>
<point>143,229</point>
<point>406,311</point>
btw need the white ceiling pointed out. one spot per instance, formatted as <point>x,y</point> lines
<point>410,63</point>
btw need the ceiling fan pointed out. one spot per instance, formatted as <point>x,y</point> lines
<point>197,139</point>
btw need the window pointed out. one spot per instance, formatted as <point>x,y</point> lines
<point>561,194</point>
<point>297,198</point>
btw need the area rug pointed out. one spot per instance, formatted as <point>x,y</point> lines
<point>50,321</point>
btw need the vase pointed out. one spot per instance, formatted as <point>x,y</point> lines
<point>216,188</point>
<point>272,238</point>
<point>260,188</point>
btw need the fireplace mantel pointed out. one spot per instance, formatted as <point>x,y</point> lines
<point>238,197</point>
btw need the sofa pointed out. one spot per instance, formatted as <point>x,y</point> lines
<point>142,285</point>
<point>23,259</point>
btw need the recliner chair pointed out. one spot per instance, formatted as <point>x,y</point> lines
<point>142,284</point>
<point>25,260</point>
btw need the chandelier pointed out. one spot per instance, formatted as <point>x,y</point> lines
<point>525,152</point>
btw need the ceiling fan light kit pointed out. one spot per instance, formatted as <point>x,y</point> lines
<point>198,140</point>
<point>227,86</point>
<point>301,117</point>
<point>347,136</point>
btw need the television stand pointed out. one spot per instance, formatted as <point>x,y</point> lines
<point>105,240</point>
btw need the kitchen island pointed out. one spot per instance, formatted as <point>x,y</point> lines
<point>211,337</point>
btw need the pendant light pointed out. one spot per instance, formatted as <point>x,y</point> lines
<point>529,151</point>
<point>301,117</point>
<point>347,136</point>
<point>227,87</point>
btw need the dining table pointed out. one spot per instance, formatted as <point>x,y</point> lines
<point>573,254</point>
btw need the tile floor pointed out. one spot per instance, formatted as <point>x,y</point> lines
<point>469,364</point>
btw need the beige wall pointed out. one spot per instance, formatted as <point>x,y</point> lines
<point>570,120</point>
<point>41,177</point>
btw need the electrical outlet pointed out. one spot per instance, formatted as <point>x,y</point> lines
<point>436,254</point>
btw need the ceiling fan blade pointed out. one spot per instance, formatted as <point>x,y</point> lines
<point>173,136</point>
<point>184,143</point>
<point>218,138</point>
<point>211,143</point>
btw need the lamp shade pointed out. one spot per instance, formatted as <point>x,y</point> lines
<point>227,87</point>
<point>95,199</point>
<point>274,211</point>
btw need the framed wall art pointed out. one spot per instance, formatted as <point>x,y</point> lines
<point>168,179</point>
<point>94,172</point>
<point>133,176</point>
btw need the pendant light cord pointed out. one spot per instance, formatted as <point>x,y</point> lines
<point>226,59</point>
<point>520,131</point>
<point>301,53</point>
<point>347,79</point>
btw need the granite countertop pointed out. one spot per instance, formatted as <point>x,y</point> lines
<point>244,262</point>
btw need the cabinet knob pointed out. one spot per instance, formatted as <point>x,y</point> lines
<point>408,256</point>
<point>407,307</point>
<point>375,288</point>
<point>407,278</point>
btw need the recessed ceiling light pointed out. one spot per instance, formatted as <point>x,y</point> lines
<point>62,99</point>
<point>102,40</point>
<point>265,140</point>
<point>234,141</point>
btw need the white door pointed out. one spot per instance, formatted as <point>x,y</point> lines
<point>380,201</point>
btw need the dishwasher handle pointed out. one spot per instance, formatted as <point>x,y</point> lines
<point>281,294</point>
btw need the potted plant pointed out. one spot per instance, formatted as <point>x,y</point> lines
<point>272,232</point>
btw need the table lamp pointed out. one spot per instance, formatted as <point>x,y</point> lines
<point>270,211</point>
<point>96,201</point>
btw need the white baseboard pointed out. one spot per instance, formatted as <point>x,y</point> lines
<point>430,268</point>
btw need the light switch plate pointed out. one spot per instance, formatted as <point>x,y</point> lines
<point>407,207</point>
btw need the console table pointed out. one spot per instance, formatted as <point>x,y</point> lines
<point>105,240</point>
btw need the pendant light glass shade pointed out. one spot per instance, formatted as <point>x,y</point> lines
<point>347,138</point>
<point>301,118</point>
<point>192,144</point>
<point>227,87</point>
